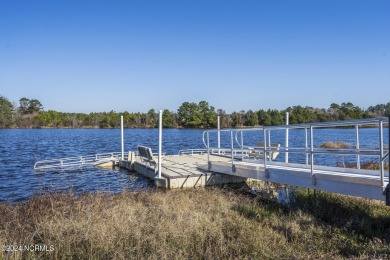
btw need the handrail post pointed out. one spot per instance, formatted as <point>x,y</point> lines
<point>286,143</point>
<point>219,134</point>
<point>269,139</point>
<point>159,143</point>
<point>357,147</point>
<point>312,154</point>
<point>306,148</point>
<point>264,148</point>
<point>208,150</point>
<point>242,145</point>
<point>381,162</point>
<point>387,188</point>
<point>232,147</point>
<point>122,140</point>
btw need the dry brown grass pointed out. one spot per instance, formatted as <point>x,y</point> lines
<point>369,165</point>
<point>186,224</point>
<point>336,145</point>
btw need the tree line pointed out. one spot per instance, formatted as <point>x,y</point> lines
<point>30,113</point>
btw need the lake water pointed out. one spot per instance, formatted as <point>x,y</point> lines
<point>21,148</point>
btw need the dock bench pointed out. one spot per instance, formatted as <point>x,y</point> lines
<point>258,152</point>
<point>146,155</point>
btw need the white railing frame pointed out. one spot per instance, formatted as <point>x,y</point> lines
<point>309,151</point>
<point>76,161</point>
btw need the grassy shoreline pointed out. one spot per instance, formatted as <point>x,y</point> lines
<point>209,223</point>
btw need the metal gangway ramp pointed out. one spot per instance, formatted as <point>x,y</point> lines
<point>102,159</point>
<point>313,169</point>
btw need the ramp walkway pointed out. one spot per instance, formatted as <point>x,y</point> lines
<point>373,184</point>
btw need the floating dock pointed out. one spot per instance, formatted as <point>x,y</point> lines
<point>181,171</point>
<point>238,161</point>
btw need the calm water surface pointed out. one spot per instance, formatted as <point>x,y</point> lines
<point>21,148</point>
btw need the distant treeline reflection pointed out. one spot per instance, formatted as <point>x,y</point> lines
<point>30,113</point>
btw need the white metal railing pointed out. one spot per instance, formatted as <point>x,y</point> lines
<point>214,151</point>
<point>237,138</point>
<point>77,161</point>
<point>193,151</point>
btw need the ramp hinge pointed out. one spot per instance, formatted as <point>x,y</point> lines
<point>233,168</point>
<point>209,166</point>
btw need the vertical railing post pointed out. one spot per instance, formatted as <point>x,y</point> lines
<point>286,143</point>
<point>232,147</point>
<point>264,148</point>
<point>357,147</point>
<point>387,191</point>
<point>381,162</point>
<point>269,142</point>
<point>312,154</point>
<point>219,134</point>
<point>306,148</point>
<point>208,151</point>
<point>159,143</point>
<point>242,145</point>
<point>122,140</point>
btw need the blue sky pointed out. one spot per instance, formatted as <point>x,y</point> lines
<point>91,56</point>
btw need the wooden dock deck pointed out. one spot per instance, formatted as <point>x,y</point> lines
<point>182,171</point>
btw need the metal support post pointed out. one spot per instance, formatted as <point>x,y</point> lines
<point>387,193</point>
<point>357,147</point>
<point>122,140</point>
<point>306,147</point>
<point>312,156</point>
<point>208,151</point>
<point>381,162</point>
<point>232,150</point>
<point>159,143</point>
<point>286,143</point>
<point>219,134</point>
<point>242,145</point>
<point>264,148</point>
